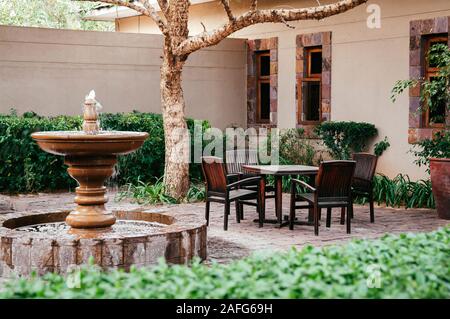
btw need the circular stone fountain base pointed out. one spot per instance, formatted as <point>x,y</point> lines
<point>41,242</point>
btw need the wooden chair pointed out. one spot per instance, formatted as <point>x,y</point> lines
<point>219,190</point>
<point>333,189</point>
<point>234,161</point>
<point>362,184</point>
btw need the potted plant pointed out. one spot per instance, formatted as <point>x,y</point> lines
<point>435,152</point>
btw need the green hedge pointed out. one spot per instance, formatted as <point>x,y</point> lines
<point>409,266</point>
<point>344,138</point>
<point>26,168</point>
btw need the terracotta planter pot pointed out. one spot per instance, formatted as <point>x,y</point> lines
<point>440,181</point>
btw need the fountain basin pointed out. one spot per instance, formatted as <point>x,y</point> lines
<point>79,143</point>
<point>177,237</point>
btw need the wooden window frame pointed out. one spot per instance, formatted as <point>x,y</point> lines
<point>308,52</point>
<point>430,73</point>
<point>309,77</point>
<point>260,79</point>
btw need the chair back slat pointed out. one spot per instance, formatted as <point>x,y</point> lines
<point>233,166</point>
<point>334,179</point>
<point>214,172</point>
<point>366,165</point>
<point>236,158</point>
<point>252,157</point>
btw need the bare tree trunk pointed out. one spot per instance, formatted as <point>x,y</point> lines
<point>176,170</point>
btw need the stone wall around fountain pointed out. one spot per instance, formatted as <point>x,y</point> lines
<point>182,238</point>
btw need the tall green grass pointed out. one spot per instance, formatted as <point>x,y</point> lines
<point>154,193</point>
<point>401,191</point>
<point>397,192</point>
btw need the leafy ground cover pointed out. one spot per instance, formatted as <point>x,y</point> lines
<point>403,266</point>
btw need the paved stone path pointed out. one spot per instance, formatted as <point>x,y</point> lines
<point>242,239</point>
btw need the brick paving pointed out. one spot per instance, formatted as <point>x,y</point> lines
<point>245,238</point>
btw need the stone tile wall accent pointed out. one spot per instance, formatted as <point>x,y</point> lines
<point>418,29</point>
<point>311,40</point>
<point>253,46</point>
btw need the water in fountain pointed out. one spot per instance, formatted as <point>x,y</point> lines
<point>121,228</point>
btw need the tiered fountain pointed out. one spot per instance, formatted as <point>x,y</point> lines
<point>42,242</point>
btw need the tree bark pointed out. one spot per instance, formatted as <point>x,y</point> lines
<point>176,170</point>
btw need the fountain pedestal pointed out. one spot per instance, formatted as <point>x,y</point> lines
<point>91,173</point>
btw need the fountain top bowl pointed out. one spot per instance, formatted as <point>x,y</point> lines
<point>82,143</point>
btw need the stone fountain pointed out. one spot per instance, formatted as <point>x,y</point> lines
<point>91,155</point>
<point>42,241</point>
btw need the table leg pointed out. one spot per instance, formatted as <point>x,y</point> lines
<point>278,198</point>
<point>312,182</point>
<point>262,196</point>
<point>279,208</point>
<point>310,215</point>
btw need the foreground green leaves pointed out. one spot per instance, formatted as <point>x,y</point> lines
<point>405,266</point>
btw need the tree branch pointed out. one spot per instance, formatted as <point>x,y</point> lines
<point>163,5</point>
<point>226,6</point>
<point>203,25</point>
<point>146,9</point>
<point>154,15</point>
<point>252,17</point>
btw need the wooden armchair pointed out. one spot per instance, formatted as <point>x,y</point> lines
<point>234,161</point>
<point>219,190</point>
<point>333,189</point>
<point>362,184</point>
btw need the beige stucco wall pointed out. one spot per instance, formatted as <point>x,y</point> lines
<point>50,71</point>
<point>365,64</point>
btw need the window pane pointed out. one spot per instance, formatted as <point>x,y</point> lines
<point>264,101</point>
<point>438,102</point>
<point>311,101</point>
<point>264,65</point>
<point>316,62</point>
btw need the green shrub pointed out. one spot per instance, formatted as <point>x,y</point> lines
<point>343,138</point>
<point>381,146</point>
<point>438,147</point>
<point>26,168</point>
<point>409,266</point>
<point>434,92</point>
<point>401,191</point>
<point>295,149</point>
